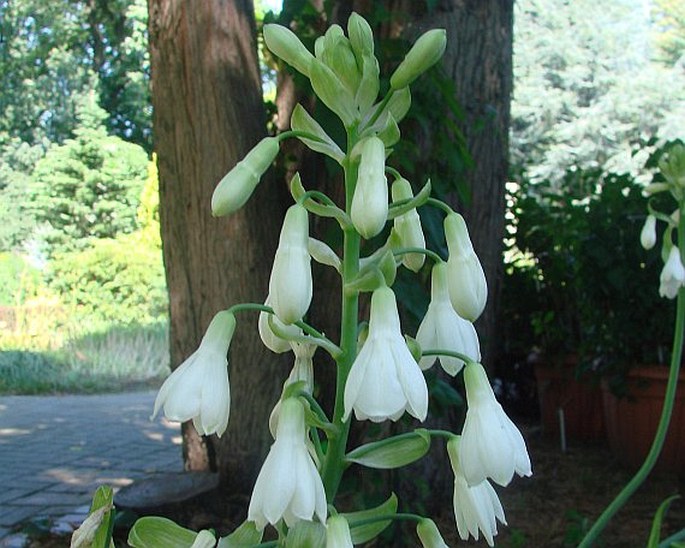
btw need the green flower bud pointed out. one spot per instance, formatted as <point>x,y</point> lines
<point>238,184</point>
<point>424,54</point>
<point>361,35</point>
<point>283,43</point>
<point>408,227</point>
<point>367,91</point>
<point>338,56</point>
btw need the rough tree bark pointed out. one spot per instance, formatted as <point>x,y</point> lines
<point>208,113</point>
<point>478,59</point>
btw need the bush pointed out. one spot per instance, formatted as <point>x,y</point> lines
<point>117,280</point>
<point>578,280</point>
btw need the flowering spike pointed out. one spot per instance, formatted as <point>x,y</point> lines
<point>238,184</point>
<point>198,389</point>
<point>290,285</point>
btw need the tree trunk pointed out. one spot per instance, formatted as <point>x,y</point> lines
<point>208,113</point>
<point>478,59</point>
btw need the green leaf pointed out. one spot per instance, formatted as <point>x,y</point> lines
<point>367,531</point>
<point>392,452</point>
<point>245,535</point>
<point>306,534</point>
<point>655,533</point>
<point>153,532</point>
<point>301,120</point>
<point>103,498</point>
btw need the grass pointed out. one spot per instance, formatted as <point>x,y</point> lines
<point>110,359</point>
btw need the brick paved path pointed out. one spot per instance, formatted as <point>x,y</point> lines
<point>56,450</point>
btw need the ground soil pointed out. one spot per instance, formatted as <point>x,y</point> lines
<point>552,508</point>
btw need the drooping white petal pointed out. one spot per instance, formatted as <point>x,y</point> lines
<point>288,486</point>
<point>491,444</point>
<point>198,389</point>
<point>673,275</point>
<point>476,507</point>
<point>443,328</point>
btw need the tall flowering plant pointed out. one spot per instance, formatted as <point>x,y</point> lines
<point>379,373</point>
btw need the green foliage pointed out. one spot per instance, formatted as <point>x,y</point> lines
<point>54,52</point>
<point>112,280</point>
<point>89,186</point>
<point>17,278</point>
<point>577,278</point>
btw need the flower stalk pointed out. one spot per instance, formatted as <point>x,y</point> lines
<point>664,421</point>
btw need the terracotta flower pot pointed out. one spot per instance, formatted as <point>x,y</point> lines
<point>632,420</point>
<point>580,401</point>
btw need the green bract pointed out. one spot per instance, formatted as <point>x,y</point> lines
<point>392,452</point>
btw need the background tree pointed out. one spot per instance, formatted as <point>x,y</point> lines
<point>89,186</point>
<point>208,113</point>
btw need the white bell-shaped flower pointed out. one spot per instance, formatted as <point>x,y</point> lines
<point>290,285</point>
<point>476,508</point>
<point>288,486</point>
<point>198,389</point>
<point>648,233</point>
<point>443,328</point>
<point>408,227</point>
<point>385,380</point>
<point>673,275</point>
<point>491,444</point>
<point>338,533</point>
<point>369,209</point>
<point>467,286</point>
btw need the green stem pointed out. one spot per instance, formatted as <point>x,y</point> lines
<point>442,434</point>
<point>332,468</point>
<point>440,205</point>
<point>405,250</point>
<point>449,353</point>
<point>299,134</point>
<point>396,174</point>
<point>379,110</point>
<point>666,412</point>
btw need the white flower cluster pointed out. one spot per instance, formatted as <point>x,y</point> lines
<point>672,168</point>
<point>385,378</point>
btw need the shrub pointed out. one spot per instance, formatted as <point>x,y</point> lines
<point>117,280</point>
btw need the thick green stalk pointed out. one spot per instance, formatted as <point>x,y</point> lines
<point>664,421</point>
<point>333,465</point>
